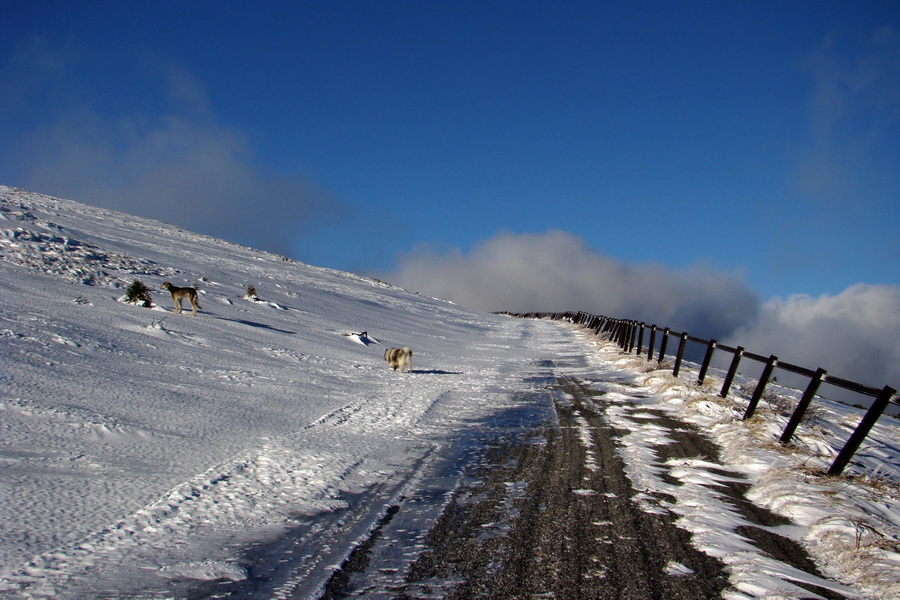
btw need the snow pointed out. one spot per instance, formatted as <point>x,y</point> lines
<point>139,448</point>
<point>849,524</point>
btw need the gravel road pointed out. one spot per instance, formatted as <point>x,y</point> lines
<point>551,514</point>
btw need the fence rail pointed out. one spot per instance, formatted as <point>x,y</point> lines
<point>630,335</point>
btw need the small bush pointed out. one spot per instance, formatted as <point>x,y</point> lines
<point>138,293</point>
<point>251,293</point>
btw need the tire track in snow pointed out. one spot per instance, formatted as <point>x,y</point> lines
<point>562,514</point>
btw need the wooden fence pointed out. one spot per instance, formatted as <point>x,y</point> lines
<point>630,336</point>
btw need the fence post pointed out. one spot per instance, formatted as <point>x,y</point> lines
<point>640,339</point>
<point>761,386</point>
<point>732,371</point>
<point>652,342</point>
<point>665,342</point>
<point>706,360</point>
<point>805,400</point>
<point>862,430</point>
<point>680,354</point>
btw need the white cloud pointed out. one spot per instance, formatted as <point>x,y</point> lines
<point>557,271</point>
<point>163,154</point>
<point>854,335</point>
<point>198,174</point>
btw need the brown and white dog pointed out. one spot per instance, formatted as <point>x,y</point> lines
<point>179,294</point>
<point>398,358</point>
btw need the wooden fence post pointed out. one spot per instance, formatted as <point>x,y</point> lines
<point>665,342</point>
<point>732,371</point>
<point>760,387</point>
<point>652,342</point>
<point>640,339</point>
<point>680,354</point>
<point>804,403</point>
<point>706,360</point>
<point>862,430</point>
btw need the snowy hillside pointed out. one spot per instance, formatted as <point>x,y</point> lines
<point>142,450</point>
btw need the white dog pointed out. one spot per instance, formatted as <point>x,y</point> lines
<point>398,358</point>
<point>179,294</point>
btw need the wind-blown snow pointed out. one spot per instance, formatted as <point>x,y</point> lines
<point>140,447</point>
<point>849,524</point>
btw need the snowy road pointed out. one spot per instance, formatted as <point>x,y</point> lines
<point>536,502</point>
<point>548,512</point>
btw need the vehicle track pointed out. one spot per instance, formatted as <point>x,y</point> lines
<point>551,513</point>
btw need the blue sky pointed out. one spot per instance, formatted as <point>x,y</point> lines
<point>758,141</point>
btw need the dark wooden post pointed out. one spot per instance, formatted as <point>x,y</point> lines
<point>634,329</point>
<point>805,400</point>
<point>652,342</point>
<point>706,360</point>
<point>680,354</point>
<point>862,430</point>
<point>732,371</point>
<point>665,342</point>
<point>760,387</point>
<point>640,339</point>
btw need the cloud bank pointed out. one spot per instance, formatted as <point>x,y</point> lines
<point>160,152</point>
<point>196,174</point>
<point>557,271</point>
<point>853,335</point>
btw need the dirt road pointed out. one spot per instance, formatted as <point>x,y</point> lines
<point>553,516</point>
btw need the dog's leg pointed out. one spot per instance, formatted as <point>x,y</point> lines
<point>177,305</point>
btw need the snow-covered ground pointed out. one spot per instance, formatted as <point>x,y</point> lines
<point>849,524</point>
<point>139,447</point>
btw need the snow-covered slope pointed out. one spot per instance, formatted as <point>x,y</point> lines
<point>141,449</point>
<point>137,435</point>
